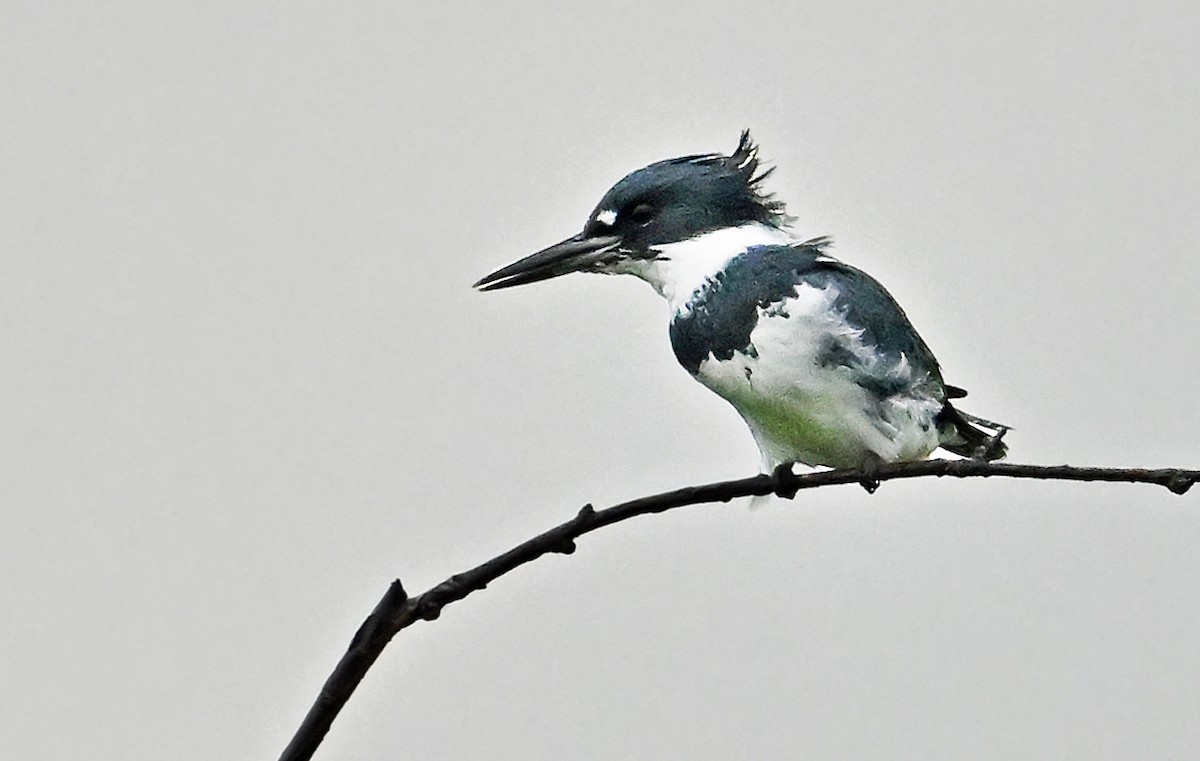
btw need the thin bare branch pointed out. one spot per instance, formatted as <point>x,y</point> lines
<point>396,610</point>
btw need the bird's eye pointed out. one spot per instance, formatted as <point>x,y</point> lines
<point>641,214</point>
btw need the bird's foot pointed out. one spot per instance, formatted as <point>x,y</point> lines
<point>784,479</point>
<point>869,470</point>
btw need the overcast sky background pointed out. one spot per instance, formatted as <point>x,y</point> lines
<point>244,382</point>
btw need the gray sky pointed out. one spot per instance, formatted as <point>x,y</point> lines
<point>245,383</point>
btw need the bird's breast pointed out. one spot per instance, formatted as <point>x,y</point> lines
<point>804,379</point>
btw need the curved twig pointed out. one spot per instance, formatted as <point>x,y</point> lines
<point>397,610</point>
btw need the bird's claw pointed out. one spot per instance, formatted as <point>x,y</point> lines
<point>784,479</point>
<point>870,471</point>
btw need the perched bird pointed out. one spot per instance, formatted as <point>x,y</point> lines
<point>817,356</point>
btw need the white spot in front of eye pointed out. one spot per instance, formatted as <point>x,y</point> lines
<point>607,217</point>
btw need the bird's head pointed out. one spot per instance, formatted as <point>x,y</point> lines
<point>666,202</point>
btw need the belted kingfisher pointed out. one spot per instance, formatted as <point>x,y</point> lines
<point>817,356</point>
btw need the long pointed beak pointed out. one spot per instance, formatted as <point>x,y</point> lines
<point>571,255</point>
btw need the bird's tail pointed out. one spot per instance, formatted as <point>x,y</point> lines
<point>971,436</point>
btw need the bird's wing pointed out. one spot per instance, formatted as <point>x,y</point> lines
<point>864,304</point>
<point>720,320</point>
<point>867,305</point>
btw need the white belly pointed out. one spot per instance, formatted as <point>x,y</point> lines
<point>802,407</point>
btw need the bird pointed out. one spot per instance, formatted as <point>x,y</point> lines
<point>816,356</point>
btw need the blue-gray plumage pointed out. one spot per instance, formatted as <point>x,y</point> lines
<point>722,316</point>
<point>819,359</point>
